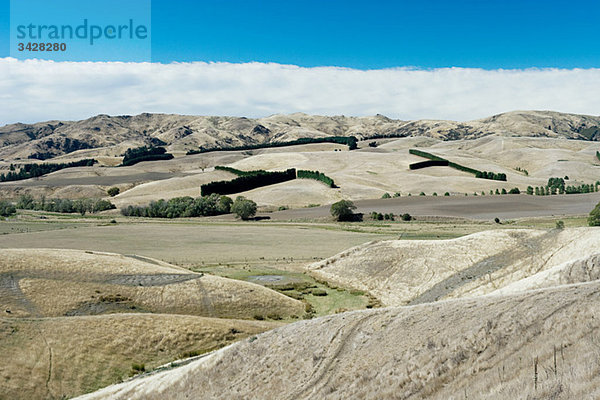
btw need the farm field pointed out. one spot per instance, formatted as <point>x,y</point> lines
<point>456,295</point>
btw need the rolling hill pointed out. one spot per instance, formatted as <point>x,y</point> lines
<point>401,272</point>
<point>534,344</point>
<point>105,135</point>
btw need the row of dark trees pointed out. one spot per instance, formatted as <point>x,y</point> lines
<point>81,206</point>
<point>550,190</point>
<point>429,163</point>
<point>316,175</point>
<point>377,216</point>
<point>178,207</point>
<point>301,174</point>
<point>558,186</point>
<point>248,182</point>
<point>145,153</point>
<point>26,171</point>
<point>439,161</point>
<point>491,175</point>
<point>350,141</point>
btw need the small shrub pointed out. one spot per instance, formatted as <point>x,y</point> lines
<point>6,208</point>
<point>422,194</point>
<point>594,218</point>
<point>560,225</point>
<point>407,217</point>
<point>446,194</point>
<point>497,220</point>
<point>386,196</point>
<point>138,367</point>
<point>113,191</point>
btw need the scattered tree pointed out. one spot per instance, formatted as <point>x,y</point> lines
<point>113,191</point>
<point>342,210</point>
<point>6,208</point>
<point>243,208</point>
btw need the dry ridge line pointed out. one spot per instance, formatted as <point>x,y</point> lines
<point>401,272</point>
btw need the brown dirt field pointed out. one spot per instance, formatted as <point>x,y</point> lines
<point>474,207</point>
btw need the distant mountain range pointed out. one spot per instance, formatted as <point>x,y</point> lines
<point>114,134</point>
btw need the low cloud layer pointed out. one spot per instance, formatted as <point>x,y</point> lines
<point>33,90</point>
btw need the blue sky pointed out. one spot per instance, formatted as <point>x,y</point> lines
<point>374,34</point>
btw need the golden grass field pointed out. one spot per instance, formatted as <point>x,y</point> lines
<point>470,304</point>
<point>74,321</point>
<point>366,173</point>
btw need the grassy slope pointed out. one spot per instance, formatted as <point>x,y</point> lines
<point>474,348</point>
<point>408,272</point>
<point>55,357</point>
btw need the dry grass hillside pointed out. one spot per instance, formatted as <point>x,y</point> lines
<point>55,358</point>
<point>400,272</point>
<point>477,348</point>
<point>369,173</point>
<point>74,321</point>
<point>52,283</point>
<point>366,173</point>
<point>111,135</point>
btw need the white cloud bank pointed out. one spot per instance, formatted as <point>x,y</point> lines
<point>33,90</point>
